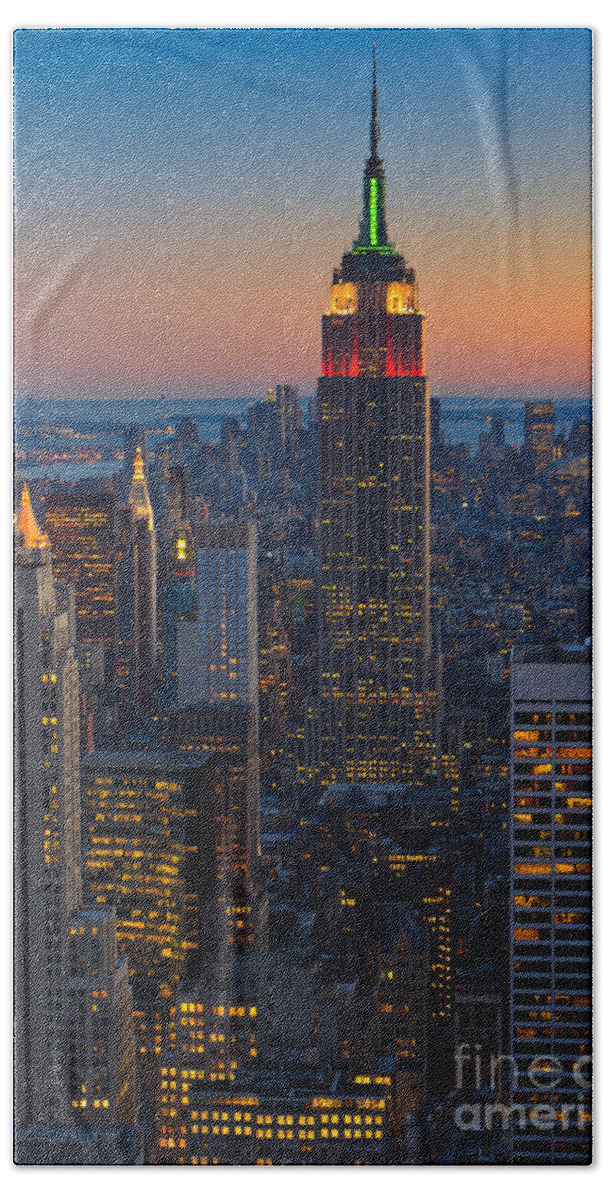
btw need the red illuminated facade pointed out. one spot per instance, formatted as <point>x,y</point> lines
<point>374,432</point>
<point>374,327</point>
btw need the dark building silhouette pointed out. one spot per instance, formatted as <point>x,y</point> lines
<point>177,577</point>
<point>435,412</point>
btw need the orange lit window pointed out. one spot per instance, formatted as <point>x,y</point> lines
<point>343,299</point>
<point>399,298</point>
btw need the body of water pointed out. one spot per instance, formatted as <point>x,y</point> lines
<point>462,420</point>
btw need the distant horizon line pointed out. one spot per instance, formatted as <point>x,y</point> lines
<point>260,396</point>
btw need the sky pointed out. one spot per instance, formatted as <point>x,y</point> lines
<point>182,197</point>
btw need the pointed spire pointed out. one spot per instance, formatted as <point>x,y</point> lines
<point>374,127</point>
<point>27,525</point>
<point>372,231</point>
<point>138,467</point>
<point>139,500</point>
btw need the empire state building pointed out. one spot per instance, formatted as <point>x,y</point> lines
<point>374,428</point>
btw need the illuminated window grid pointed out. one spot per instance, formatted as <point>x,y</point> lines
<point>226,1035</point>
<point>237,1118</point>
<point>127,865</point>
<point>551,915</point>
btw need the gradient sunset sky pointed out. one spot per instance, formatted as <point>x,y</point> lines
<point>182,197</point>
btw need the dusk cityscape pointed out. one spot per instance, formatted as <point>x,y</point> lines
<point>303,595</point>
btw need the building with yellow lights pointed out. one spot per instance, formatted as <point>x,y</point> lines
<point>150,849</point>
<point>275,1119</point>
<point>374,431</point>
<point>551,905</point>
<point>64,1054</point>
<point>103,1077</point>
<point>82,526</point>
<point>137,633</point>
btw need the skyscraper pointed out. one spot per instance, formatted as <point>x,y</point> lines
<point>374,430</point>
<point>539,431</point>
<point>217,652</point>
<point>81,525</point>
<point>149,849</point>
<point>218,678</point>
<point>137,632</point>
<point>47,826</point>
<point>286,420</point>
<point>178,575</point>
<point>551,906</point>
<point>72,1067</point>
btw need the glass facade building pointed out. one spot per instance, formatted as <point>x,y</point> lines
<point>217,652</point>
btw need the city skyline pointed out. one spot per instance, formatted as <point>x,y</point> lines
<point>302,684</point>
<point>176,218</point>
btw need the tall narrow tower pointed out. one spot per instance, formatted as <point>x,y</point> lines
<point>47,826</point>
<point>178,574</point>
<point>74,1059</point>
<point>137,615</point>
<point>374,428</point>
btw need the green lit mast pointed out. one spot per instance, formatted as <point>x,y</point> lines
<point>372,231</point>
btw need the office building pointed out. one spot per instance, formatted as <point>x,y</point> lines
<point>149,841</point>
<point>137,633</point>
<point>177,576</point>
<point>81,525</point>
<point>374,431</point>
<point>103,1079</point>
<point>551,906</point>
<point>58,1042</point>
<point>217,652</point>
<point>47,825</point>
<point>273,1117</point>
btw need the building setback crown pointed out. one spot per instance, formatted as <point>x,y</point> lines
<point>27,525</point>
<point>139,500</point>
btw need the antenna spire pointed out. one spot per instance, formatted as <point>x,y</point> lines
<point>375,127</point>
<point>372,231</point>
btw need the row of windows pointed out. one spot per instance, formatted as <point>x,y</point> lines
<point>545,718</point>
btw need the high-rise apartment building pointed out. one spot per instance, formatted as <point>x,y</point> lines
<point>550,906</point>
<point>374,431</point>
